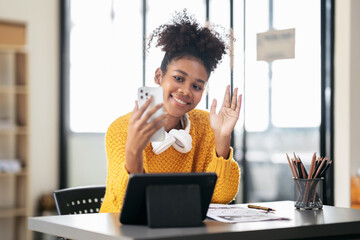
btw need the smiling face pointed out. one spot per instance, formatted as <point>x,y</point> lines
<point>183,85</point>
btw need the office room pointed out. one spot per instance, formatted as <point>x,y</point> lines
<point>65,77</point>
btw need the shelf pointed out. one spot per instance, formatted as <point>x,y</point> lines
<point>21,130</point>
<point>13,33</point>
<point>21,173</point>
<point>12,49</point>
<point>6,129</point>
<point>14,89</point>
<point>14,130</point>
<point>12,212</point>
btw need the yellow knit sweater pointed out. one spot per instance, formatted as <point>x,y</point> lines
<point>201,158</point>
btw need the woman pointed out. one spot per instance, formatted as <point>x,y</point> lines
<point>191,54</point>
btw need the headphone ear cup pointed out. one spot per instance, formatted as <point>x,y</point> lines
<point>183,141</point>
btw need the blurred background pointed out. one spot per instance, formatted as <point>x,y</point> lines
<point>82,62</point>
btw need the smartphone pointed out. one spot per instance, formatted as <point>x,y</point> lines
<point>144,94</point>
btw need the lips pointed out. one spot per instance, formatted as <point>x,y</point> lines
<point>179,101</point>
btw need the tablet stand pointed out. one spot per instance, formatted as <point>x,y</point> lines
<point>173,206</point>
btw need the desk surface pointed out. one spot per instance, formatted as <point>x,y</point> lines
<point>330,222</point>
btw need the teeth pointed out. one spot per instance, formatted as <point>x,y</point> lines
<point>179,101</point>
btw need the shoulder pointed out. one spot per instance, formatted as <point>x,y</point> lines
<point>199,118</point>
<point>200,128</point>
<point>198,115</point>
<point>123,119</point>
<point>119,125</point>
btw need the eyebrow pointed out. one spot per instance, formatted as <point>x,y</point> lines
<point>184,73</point>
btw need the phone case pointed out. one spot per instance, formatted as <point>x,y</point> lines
<point>144,94</point>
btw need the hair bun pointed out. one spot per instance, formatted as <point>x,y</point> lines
<point>184,36</point>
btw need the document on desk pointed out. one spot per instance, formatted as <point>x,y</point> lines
<point>235,213</point>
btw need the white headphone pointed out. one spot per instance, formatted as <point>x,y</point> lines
<point>180,139</point>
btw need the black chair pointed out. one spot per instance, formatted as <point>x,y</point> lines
<point>79,200</point>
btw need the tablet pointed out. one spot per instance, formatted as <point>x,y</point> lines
<point>134,206</point>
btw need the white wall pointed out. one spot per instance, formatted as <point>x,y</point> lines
<point>355,87</point>
<point>347,99</point>
<point>41,18</point>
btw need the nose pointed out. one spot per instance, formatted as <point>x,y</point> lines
<point>185,89</point>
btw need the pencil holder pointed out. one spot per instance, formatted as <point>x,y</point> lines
<point>308,193</point>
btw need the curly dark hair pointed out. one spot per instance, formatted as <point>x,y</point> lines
<point>183,36</point>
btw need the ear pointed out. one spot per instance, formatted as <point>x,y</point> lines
<point>158,76</point>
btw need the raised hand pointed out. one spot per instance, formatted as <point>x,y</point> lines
<point>139,134</point>
<point>223,122</point>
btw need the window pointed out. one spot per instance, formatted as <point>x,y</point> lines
<point>106,56</point>
<point>282,97</point>
<point>107,62</point>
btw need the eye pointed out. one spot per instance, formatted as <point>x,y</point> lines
<point>197,87</point>
<point>177,78</point>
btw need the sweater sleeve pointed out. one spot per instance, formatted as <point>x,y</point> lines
<point>228,174</point>
<point>117,175</point>
<point>227,170</point>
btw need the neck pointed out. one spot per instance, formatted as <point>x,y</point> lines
<point>173,123</point>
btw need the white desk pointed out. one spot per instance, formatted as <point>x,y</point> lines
<point>330,222</point>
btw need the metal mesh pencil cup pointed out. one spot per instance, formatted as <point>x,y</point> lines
<point>308,193</point>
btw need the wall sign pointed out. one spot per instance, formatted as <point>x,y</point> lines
<point>276,44</point>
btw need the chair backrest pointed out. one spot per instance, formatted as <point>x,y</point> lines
<point>79,200</point>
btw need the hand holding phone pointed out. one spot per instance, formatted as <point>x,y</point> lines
<point>144,93</point>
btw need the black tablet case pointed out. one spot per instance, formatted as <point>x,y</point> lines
<point>168,199</point>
